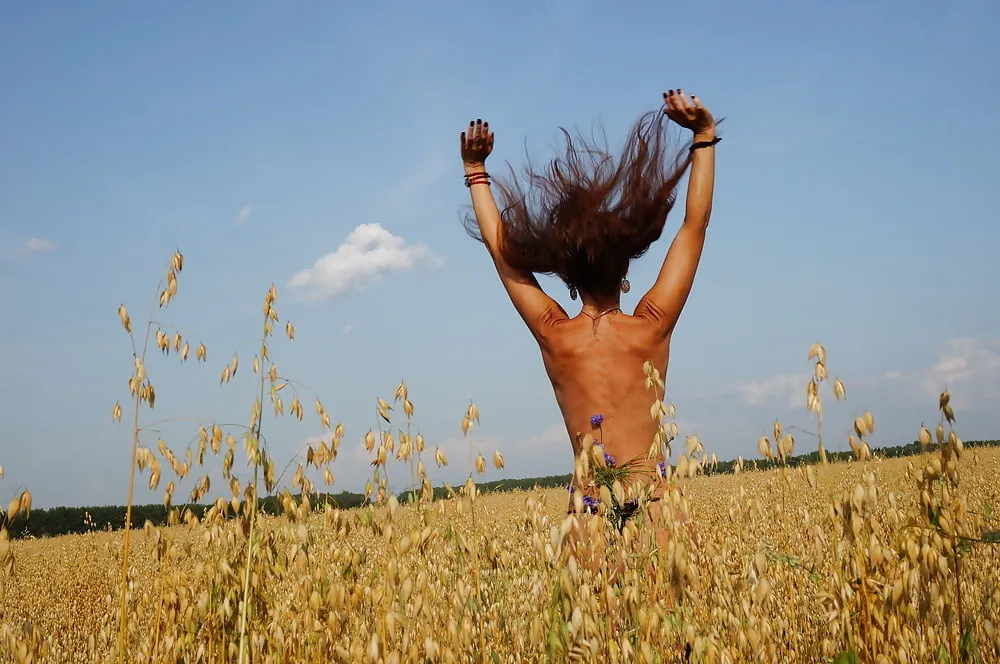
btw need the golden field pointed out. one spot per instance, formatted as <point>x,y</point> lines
<point>873,560</point>
<point>766,580</point>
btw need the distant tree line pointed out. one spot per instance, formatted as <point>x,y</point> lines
<point>73,520</point>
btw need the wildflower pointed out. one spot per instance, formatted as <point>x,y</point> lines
<point>610,460</point>
<point>570,488</point>
<point>590,504</point>
<point>662,467</point>
<point>596,420</point>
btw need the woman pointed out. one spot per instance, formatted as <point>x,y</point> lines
<point>584,219</point>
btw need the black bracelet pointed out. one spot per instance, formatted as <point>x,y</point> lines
<point>704,144</point>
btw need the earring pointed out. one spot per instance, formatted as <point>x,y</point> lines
<point>572,292</point>
<point>626,286</point>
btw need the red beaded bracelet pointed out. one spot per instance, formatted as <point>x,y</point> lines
<point>481,177</point>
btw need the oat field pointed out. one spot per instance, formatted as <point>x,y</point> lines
<point>771,578</point>
<point>873,560</point>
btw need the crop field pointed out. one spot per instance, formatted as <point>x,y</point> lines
<point>774,576</point>
<point>869,560</point>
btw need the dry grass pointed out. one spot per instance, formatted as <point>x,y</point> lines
<point>879,560</point>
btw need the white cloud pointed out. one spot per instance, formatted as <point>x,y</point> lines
<point>37,245</point>
<point>243,215</point>
<point>366,255</point>
<point>969,369</point>
<point>785,388</point>
<point>554,434</point>
<point>349,328</point>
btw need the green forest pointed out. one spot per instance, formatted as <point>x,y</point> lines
<point>70,520</point>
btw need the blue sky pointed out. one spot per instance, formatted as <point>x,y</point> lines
<point>852,208</point>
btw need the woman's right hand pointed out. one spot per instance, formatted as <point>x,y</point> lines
<point>477,143</point>
<point>689,115</point>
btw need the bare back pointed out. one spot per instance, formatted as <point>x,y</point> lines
<point>596,368</point>
<point>589,225</point>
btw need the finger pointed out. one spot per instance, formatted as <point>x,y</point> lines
<point>462,139</point>
<point>683,100</point>
<point>479,129</point>
<point>680,102</point>
<point>697,102</point>
<point>671,100</point>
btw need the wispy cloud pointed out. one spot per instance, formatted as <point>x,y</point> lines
<point>420,178</point>
<point>787,389</point>
<point>243,215</point>
<point>556,433</point>
<point>348,328</point>
<point>37,245</point>
<point>784,390</point>
<point>970,369</point>
<point>367,254</point>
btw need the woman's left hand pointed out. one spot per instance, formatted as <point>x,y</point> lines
<point>477,143</point>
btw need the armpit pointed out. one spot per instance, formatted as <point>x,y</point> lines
<point>549,317</point>
<point>656,316</point>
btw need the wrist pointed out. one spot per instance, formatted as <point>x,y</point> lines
<point>706,134</point>
<point>474,167</point>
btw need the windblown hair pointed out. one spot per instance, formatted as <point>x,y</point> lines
<point>588,215</point>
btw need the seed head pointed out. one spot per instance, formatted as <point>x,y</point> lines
<point>820,371</point>
<point>839,391</point>
<point>817,352</point>
<point>924,437</point>
<point>124,318</point>
<point>764,447</point>
<point>869,422</point>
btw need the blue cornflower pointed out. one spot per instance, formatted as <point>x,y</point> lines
<point>610,460</point>
<point>595,420</point>
<point>662,467</point>
<point>590,503</point>
<point>570,488</point>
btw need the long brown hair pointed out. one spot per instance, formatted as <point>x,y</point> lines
<point>587,215</point>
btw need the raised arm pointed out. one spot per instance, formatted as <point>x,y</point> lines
<point>665,300</point>
<point>536,308</point>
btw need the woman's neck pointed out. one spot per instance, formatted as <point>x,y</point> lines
<point>597,305</point>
